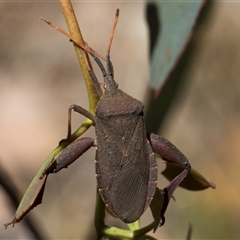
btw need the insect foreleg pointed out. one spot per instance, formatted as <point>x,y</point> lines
<point>82,111</point>
<point>169,153</point>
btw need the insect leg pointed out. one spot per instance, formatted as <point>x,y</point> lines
<point>70,154</point>
<point>80,110</point>
<point>169,153</point>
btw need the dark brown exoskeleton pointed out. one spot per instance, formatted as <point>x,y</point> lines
<point>125,164</point>
<point>126,168</point>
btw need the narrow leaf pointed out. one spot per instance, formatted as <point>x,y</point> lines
<point>33,197</point>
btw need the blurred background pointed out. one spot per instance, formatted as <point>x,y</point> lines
<point>40,78</point>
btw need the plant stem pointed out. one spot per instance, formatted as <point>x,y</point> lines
<point>75,33</point>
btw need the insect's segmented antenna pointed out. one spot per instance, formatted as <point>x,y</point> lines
<point>89,50</point>
<point>112,32</point>
<point>85,47</point>
<point>108,61</point>
<point>99,63</point>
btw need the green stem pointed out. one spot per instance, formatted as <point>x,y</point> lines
<point>75,33</point>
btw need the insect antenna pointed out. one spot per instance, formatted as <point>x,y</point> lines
<point>110,70</point>
<point>85,46</point>
<point>96,56</point>
<point>110,84</point>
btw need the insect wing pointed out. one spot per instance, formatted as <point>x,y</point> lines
<point>127,174</point>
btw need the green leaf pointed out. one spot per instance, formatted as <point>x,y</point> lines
<point>31,199</point>
<point>173,21</point>
<point>194,180</point>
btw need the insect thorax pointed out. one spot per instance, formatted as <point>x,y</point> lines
<point>118,104</point>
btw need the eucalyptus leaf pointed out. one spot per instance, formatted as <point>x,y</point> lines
<point>175,21</point>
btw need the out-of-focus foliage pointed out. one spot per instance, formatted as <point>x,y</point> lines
<point>171,24</point>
